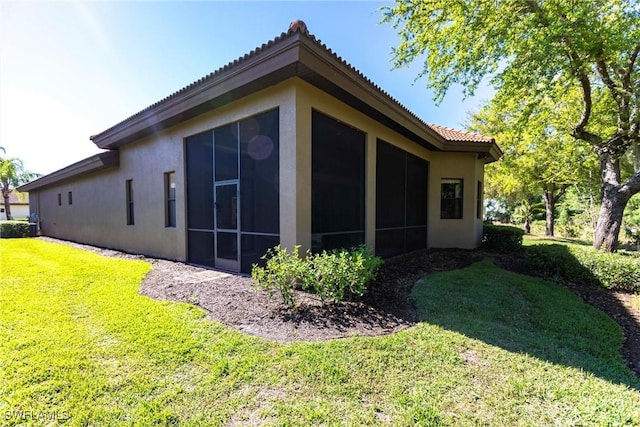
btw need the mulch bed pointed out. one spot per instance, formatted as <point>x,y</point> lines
<point>386,308</point>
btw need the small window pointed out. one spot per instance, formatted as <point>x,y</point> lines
<point>129,190</point>
<point>59,199</point>
<point>479,201</point>
<point>170,195</point>
<point>70,197</point>
<point>451,198</point>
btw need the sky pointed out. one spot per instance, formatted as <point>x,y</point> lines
<point>71,69</point>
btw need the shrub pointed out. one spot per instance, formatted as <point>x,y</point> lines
<point>502,238</point>
<point>10,229</point>
<point>283,272</point>
<point>343,273</point>
<point>585,265</point>
<point>333,275</point>
<point>613,271</point>
<point>556,262</point>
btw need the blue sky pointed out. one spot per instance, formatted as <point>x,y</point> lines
<point>72,69</point>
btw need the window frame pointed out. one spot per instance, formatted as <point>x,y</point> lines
<point>70,197</point>
<point>170,199</point>
<point>479,204</point>
<point>129,202</point>
<point>446,211</point>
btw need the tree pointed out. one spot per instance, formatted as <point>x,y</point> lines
<point>532,50</point>
<point>527,171</point>
<point>12,174</point>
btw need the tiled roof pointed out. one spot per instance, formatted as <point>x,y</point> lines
<point>455,135</point>
<point>296,29</point>
<point>293,29</point>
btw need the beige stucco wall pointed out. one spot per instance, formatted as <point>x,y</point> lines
<point>463,233</point>
<point>98,213</point>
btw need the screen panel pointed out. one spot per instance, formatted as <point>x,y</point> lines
<point>199,152</point>
<point>338,182</point>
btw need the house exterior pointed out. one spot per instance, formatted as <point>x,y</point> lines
<point>19,205</point>
<point>287,145</point>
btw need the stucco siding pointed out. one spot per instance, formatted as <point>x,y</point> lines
<point>462,233</point>
<point>455,233</point>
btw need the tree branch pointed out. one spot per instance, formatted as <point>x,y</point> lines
<point>626,79</point>
<point>579,131</point>
<point>601,66</point>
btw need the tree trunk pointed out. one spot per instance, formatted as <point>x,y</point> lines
<point>549,206</point>
<point>7,205</point>
<point>614,199</point>
<point>610,219</point>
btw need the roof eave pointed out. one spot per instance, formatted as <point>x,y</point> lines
<point>256,71</point>
<point>293,55</point>
<point>101,161</point>
<point>489,151</point>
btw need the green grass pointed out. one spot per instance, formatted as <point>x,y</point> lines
<point>496,348</point>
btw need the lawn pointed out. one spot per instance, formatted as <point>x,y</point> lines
<point>80,345</point>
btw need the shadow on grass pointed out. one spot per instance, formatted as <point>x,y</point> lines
<point>525,315</point>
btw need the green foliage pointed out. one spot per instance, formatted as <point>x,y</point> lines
<point>10,229</point>
<point>580,264</point>
<point>502,238</point>
<point>283,272</point>
<point>527,211</point>
<point>631,221</point>
<point>566,78</point>
<point>333,275</point>
<point>342,273</point>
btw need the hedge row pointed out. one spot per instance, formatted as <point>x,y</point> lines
<point>10,229</point>
<point>502,238</point>
<point>584,265</point>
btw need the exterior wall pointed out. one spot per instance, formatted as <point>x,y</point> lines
<point>98,213</point>
<point>17,211</point>
<point>463,233</point>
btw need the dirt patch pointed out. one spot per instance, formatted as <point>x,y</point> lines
<point>233,300</point>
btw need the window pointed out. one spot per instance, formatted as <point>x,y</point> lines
<point>401,201</point>
<point>170,195</point>
<point>337,184</point>
<point>59,199</point>
<point>451,198</point>
<point>70,198</point>
<point>479,201</point>
<point>129,190</point>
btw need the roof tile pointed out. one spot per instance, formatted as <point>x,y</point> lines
<point>455,135</point>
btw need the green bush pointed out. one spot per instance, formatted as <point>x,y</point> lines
<point>613,271</point>
<point>502,238</point>
<point>333,275</point>
<point>343,273</point>
<point>9,229</point>
<point>585,265</point>
<point>283,272</point>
